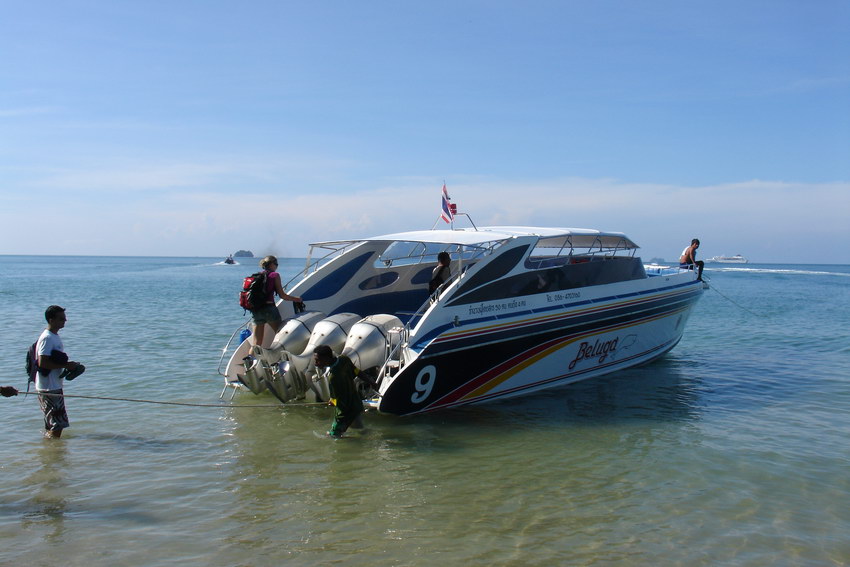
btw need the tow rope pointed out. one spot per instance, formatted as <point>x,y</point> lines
<point>161,402</point>
<point>738,305</point>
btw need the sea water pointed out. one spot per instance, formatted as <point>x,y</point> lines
<point>731,450</point>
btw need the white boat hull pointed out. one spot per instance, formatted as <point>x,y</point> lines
<point>526,309</point>
<point>532,352</point>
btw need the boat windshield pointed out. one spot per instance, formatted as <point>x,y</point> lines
<point>404,253</point>
<point>397,253</point>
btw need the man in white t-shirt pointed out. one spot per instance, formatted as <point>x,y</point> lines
<point>52,361</point>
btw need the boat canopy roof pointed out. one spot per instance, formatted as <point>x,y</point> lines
<point>548,237</point>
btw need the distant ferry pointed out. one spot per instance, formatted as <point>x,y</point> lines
<point>736,259</point>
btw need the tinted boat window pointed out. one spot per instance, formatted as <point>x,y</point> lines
<point>497,268</point>
<point>381,280</point>
<point>586,273</point>
<point>423,276</point>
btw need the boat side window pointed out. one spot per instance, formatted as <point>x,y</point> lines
<point>587,272</point>
<point>543,262</point>
<point>423,276</point>
<point>404,253</point>
<point>495,269</point>
<point>379,281</point>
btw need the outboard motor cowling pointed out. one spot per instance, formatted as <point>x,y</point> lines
<point>295,333</point>
<point>367,342</point>
<point>331,331</point>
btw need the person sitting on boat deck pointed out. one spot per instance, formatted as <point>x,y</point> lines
<point>268,314</point>
<point>8,391</point>
<point>343,390</point>
<point>442,272</point>
<point>689,258</point>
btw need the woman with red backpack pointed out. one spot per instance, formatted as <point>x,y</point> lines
<point>268,314</point>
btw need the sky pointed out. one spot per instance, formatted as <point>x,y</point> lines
<point>198,128</point>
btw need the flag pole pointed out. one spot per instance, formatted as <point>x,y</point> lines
<point>452,223</point>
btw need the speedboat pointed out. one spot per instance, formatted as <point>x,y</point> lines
<point>736,259</point>
<point>525,309</point>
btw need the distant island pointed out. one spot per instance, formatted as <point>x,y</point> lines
<point>243,254</point>
<point>657,261</point>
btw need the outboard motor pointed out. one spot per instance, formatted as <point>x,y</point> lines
<point>320,386</point>
<point>293,376</point>
<point>298,378</point>
<point>295,333</point>
<point>255,373</point>
<point>332,332</point>
<point>252,378</point>
<point>261,364</point>
<point>368,344</point>
<point>286,384</point>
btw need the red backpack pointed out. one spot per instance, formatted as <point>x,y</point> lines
<point>253,294</point>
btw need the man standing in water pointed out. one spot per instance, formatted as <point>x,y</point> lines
<point>53,366</point>
<point>344,395</point>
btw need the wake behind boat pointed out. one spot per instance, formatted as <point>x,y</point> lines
<point>736,259</point>
<point>525,309</point>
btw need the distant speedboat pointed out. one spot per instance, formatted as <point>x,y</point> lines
<point>229,260</point>
<point>525,309</point>
<point>736,259</point>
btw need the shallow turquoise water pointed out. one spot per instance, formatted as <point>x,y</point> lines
<point>730,450</point>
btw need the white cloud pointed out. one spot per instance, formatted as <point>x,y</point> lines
<point>768,221</point>
<point>148,178</point>
<point>809,84</point>
<point>225,173</point>
<point>26,111</point>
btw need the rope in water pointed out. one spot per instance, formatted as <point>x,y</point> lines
<point>736,304</point>
<point>161,402</point>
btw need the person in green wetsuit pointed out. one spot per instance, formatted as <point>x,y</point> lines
<point>344,394</point>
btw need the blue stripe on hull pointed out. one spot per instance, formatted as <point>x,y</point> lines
<point>450,369</point>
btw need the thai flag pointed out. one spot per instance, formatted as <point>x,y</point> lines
<point>447,213</point>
